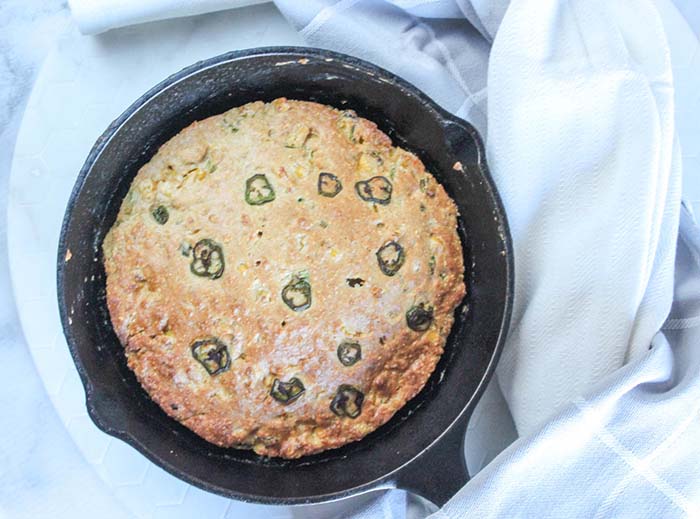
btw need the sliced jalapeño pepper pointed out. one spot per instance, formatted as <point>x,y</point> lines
<point>391,256</point>
<point>160,214</point>
<point>207,259</point>
<point>212,354</point>
<point>349,353</point>
<point>258,190</point>
<point>287,392</point>
<point>329,185</point>
<point>347,401</point>
<point>297,294</point>
<point>419,317</point>
<point>376,189</point>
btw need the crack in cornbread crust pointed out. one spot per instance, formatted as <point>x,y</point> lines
<point>159,308</point>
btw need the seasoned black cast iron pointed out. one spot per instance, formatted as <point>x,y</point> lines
<point>421,448</point>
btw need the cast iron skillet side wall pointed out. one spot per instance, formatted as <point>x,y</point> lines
<point>428,432</point>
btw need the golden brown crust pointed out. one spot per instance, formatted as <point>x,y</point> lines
<point>159,308</point>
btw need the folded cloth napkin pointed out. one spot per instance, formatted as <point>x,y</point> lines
<point>95,16</point>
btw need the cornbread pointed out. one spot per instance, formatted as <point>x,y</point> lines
<point>282,278</point>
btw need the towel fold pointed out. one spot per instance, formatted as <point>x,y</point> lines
<point>96,16</point>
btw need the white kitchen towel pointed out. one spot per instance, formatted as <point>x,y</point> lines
<point>96,16</point>
<point>429,43</point>
<point>628,448</point>
<point>580,141</point>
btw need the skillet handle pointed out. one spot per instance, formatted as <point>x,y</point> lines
<point>441,470</point>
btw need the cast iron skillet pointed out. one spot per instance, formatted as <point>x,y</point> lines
<point>421,447</point>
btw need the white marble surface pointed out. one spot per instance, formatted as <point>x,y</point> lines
<point>57,480</point>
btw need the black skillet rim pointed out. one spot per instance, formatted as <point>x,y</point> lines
<point>405,88</point>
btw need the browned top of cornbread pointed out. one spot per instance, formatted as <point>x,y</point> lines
<point>282,278</point>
